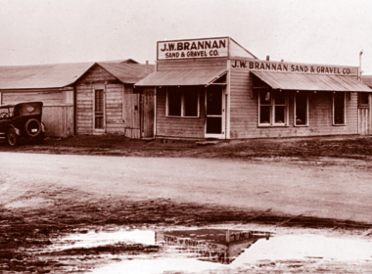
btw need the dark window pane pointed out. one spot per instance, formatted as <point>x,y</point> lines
<point>301,109</point>
<point>279,114</point>
<point>265,98</point>
<point>214,101</point>
<point>98,96</point>
<point>279,98</point>
<point>190,98</point>
<point>214,125</point>
<point>363,99</point>
<point>98,108</point>
<point>339,108</point>
<point>174,102</point>
<point>265,114</point>
<point>98,122</point>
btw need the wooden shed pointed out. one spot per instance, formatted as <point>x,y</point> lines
<point>106,101</point>
<point>215,88</point>
<point>51,84</point>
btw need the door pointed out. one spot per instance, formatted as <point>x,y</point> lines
<point>131,114</point>
<point>99,111</point>
<point>147,123</point>
<point>363,113</point>
<point>214,113</point>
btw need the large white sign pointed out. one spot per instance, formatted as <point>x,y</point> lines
<point>196,48</point>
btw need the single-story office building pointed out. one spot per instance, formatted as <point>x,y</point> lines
<point>215,88</point>
<point>84,98</point>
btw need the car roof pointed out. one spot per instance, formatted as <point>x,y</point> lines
<point>13,105</point>
<point>7,106</point>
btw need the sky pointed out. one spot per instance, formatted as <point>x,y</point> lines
<point>304,31</point>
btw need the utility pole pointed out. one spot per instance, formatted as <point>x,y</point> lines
<point>360,65</point>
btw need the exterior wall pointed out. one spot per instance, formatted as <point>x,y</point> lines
<point>183,127</point>
<point>178,127</point>
<point>123,106</point>
<point>97,77</point>
<point>58,110</point>
<point>244,113</point>
<point>191,64</point>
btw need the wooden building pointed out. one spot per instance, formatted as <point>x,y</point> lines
<point>215,88</point>
<point>85,98</point>
<point>106,101</point>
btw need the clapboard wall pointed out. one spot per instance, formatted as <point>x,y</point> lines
<point>244,112</point>
<point>183,127</point>
<point>121,105</point>
<point>58,109</point>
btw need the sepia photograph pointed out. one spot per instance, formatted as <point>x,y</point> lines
<point>185,136</point>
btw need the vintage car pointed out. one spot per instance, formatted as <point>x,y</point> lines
<point>21,122</point>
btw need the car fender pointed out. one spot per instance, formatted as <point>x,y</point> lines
<point>16,130</point>
<point>43,127</point>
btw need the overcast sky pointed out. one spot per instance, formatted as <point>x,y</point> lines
<point>310,31</point>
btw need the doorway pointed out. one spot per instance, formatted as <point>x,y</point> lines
<point>214,112</point>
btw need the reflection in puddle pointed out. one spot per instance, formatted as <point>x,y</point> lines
<point>216,245</point>
<point>217,250</point>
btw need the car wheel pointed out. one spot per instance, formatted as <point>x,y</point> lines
<point>12,138</point>
<point>33,127</point>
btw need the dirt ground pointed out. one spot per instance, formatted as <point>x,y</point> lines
<point>315,182</point>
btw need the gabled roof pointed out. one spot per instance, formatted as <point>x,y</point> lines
<point>127,73</point>
<point>367,80</point>
<point>62,75</point>
<point>41,76</point>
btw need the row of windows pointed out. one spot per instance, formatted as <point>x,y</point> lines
<point>273,106</point>
<point>273,109</point>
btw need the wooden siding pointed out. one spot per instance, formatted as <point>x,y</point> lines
<point>96,78</point>
<point>178,127</point>
<point>244,113</point>
<point>132,115</point>
<point>122,105</point>
<point>192,64</point>
<point>147,123</point>
<point>57,107</point>
<point>183,127</point>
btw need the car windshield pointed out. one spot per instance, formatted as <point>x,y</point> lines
<point>6,112</point>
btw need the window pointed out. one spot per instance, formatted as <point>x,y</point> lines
<point>301,109</point>
<point>363,99</point>
<point>183,102</point>
<point>273,108</point>
<point>174,103</point>
<point>339,108</point>
<point>190,99</point>
<point>98,108</point>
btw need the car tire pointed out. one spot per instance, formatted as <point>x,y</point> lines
<point>33,128</point>
<point>12,138</point>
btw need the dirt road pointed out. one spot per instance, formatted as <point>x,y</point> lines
<point>323,188</point>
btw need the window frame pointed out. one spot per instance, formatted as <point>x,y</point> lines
<point>182,115</point>
<point>295,110</point>
<point>333,109</point>
<point>101,89</point>
<point>272,105</point>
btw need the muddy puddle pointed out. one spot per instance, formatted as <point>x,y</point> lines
<point>212,249</point>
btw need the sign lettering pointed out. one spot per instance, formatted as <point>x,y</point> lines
<point>290,67</point>
<point>185,49</point>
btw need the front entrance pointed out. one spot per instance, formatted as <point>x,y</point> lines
<point>363,114</point>
<point>214,112</point>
